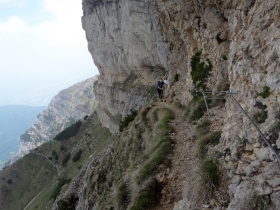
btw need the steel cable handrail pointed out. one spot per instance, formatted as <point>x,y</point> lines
<point>275,155</point>
<point>259,131</point>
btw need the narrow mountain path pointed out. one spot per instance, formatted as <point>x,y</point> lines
<point>34,198</point>
<point>181,160</point>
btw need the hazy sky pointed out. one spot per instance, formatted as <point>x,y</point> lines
<point>43,50</point>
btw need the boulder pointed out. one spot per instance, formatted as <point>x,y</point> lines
<point>243,191</point>
<point>275,182</point>
<point>249,147</point>
<point>275,199</point>
<point>262,154</point>
<point>271,170</point>
<point>256,163</point>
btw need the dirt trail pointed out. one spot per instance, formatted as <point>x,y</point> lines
<point>184,157</point>
<point>34,198</point>
<point>181,159</point>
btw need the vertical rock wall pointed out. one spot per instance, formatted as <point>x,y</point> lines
<point>151,39</point>
<point>126,43</point>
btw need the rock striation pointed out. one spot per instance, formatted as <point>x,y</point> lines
<point>67,107</point>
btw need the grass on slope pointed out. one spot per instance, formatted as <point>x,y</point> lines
<point>144,142</point>
<point>90,145</point>
<point>135,156</point>
<point>22,181</point>
<point>34,172</point>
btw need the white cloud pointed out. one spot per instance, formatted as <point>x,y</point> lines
<point>67,15</point>
<point>4,1</point>
<point>35,55</point>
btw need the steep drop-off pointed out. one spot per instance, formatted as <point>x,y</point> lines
<point>134,43</point>
<point>15,119</point>
<point>67,107</point>
<point>238,39</point>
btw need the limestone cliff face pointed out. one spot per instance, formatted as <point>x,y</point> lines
<point>128,47</point>
<point>67,107</point>
<point>151,39</point>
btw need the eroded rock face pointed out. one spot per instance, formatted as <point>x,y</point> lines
<point>151,39</point>
<point>124,36</point>
<point>67,107</point>
<point>127,45</point>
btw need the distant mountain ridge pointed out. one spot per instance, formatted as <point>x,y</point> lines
<point>67,107</point>
<point>14,120</point>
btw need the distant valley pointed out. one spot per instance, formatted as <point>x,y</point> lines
<point>14,121</point>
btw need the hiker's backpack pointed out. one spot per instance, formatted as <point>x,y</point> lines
<point>158,84</point>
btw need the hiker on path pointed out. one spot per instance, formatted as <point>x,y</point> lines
<point>160,88</point>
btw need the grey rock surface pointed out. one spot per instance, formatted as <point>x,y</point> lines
<point>275,198</point>
<point>134,43</point>
<point>243,191</point>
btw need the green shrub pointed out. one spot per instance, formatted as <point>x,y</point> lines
<point>216,102</point>
<point>210,175</point>
<point>123,195</point>
<point>62,148</point>
<point>225,86</point>
<point>77,156</point>
<point>161,151</point>
<point>154,116</point>
<point>225,57</point>
<point>144,200</point>
<point>218,38</point>
<point>154,100</point>
<point>275,131</point>
<point>68,132</point>
<point>213,139</point>
<point>177,76</point>
<point>54,153</point>
<point>275,128</point>
<point>200,72</point>
<point>203,127</point>
<point>219,155</point>
<point>257,202</point>
<point>195,109</point>
<point>124,123</point>
<point>265,93</point>
<point>178,104</point>
<point>171,46</point>
<point>139,133</point>
<point>151,167</point>
<point>203,150</point>
<point>68,203</point>
<point>260,116</point>
<point>58,187</point>
<point>143,114</point>
<point>260,105</point>
<point>66,159</point>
